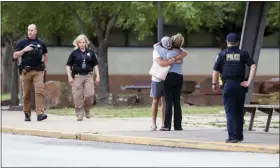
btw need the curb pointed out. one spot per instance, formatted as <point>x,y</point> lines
<point>206,145</point>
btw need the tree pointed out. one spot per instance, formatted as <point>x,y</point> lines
<point>273,16</point>
<point>217,17</point>
<point>220,18</point>
<point>93,18</point>
<point>98,19</point>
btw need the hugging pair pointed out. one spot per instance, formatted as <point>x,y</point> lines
<point>167,81</point>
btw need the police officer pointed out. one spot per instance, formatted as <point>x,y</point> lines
<point>33,53</point>
<point>231,64</point>
<point>79,67</point>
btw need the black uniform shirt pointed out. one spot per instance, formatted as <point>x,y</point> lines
<point>77,57</point>
<point>34,57</point>
<point>231,63</point>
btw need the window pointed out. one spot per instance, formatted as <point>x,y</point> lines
<point>117,38</point>
<point>133,41</point>
<point>271,41</point>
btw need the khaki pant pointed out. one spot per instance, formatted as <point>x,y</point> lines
<point>83,93</point>
<point>37,79</point>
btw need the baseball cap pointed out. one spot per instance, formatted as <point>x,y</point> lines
<point>232,37</point>
<point>166,42</point>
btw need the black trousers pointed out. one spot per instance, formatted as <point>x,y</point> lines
<point>234,98</point>
<point>172,89</point>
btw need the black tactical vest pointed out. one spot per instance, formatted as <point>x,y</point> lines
<point>88,56</point>
<point>33,57</point>
<point>233,65</point>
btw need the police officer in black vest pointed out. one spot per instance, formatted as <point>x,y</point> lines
<point>80,65</point>
<point>231,64</point>
<point>33,53</point>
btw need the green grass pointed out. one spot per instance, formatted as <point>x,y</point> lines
<point>216,124</point>
<point>246,126</point>
<point>5,96</point>
<point>129,112</point>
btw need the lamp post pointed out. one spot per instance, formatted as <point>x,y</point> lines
<point>160,22</point>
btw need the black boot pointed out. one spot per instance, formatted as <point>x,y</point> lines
<point>178,129</point>
<point>42,117</point>
<point>231,141</point>
<point>27,117</point>
<point>240,139</point>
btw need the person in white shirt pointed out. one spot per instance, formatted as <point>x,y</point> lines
<point>157,85</point>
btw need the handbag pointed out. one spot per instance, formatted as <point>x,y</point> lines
<point>159,71</point>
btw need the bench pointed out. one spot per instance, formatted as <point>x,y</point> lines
<point>268,109</point>
<point>139,89</point>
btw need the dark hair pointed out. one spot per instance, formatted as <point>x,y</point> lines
<point>174,45</point>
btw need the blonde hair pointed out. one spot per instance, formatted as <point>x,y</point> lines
<point>80,37</point>
<point>178,40</point>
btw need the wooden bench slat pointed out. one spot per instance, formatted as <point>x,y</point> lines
<point>261,106</point>
<point>135,87</point>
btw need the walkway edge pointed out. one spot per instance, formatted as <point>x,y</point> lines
<point>206,145</point>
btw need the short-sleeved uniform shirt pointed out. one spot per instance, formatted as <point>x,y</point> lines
<point>32,58</point>
<point>77,58</point>
<point>231,63</point>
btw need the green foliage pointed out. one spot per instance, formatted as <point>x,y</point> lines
<point>182,13</point>
<point>196,15</point>
<point>141,17</point>
<point>273,16</point>
<point>50,17</point>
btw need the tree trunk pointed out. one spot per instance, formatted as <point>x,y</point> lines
<point>7,68</point>
<point>14,84</point>
<point>80,24</point>
<point>103,68</point>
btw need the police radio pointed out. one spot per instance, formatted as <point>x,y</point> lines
<point>35,48</point>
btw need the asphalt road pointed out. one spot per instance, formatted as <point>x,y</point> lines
<point>30,151</point>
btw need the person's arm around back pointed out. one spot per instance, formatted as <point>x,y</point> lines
<point>176,55</point>
<point>160,61</point>
<point>181,55</point>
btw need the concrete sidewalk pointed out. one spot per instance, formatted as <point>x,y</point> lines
<point>130,129</point>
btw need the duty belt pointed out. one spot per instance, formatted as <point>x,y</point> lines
<point>83,73</point>
<point>36,68</point>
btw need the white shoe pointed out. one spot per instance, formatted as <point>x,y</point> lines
<point>153,128</point>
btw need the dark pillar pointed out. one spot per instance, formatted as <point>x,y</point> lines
<point>160,23</point>
<point>252,34</point>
